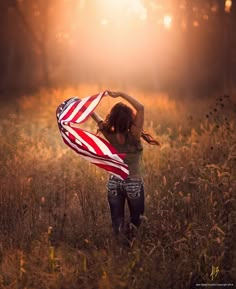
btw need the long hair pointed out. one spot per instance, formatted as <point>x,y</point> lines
<point>120,120</point>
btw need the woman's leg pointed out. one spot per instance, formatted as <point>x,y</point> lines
<point>116,200</point>
<point>135,198</point>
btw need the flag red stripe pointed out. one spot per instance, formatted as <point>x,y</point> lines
<point>90,146</point>
<point>91,154</point>
<point>108,145</point>
<point>69,112</point>
<point>87,104</point>
<point>112,169</point>
<point>89,140</point>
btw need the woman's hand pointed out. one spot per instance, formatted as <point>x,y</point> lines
<point>113,93</point>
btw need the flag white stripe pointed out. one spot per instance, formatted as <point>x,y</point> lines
<point>94,156</point>
<point>93,159</point>
<point>91,156</point>
<point>73,132</point>
<point>85,143</point>
<point>76,110</point>
<point>90,108</point>
<point>66,110</point>
<point>104,148</point>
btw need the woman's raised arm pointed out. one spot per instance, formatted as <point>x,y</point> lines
<point>97,118</point>
<point>137,126</point>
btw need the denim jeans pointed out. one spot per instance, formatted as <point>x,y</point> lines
<point>119,191</point>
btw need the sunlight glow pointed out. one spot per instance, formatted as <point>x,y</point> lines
<point>228,5</point>
<point>214,8</point>
<point>104,21</point>
<point>167,21</point>
<point>137,8</point>
<point>120,8</point>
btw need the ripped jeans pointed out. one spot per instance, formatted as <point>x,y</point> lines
<point>120,190</point>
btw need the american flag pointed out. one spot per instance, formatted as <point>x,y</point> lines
<point>91,147</point>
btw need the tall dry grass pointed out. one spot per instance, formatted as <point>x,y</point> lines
<point>55,229</point>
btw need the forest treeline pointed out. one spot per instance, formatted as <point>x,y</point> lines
<point>54,43</point>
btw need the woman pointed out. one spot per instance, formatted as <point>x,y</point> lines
<point>123,128</point>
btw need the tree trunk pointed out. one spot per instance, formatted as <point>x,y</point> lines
<point>41,44</point>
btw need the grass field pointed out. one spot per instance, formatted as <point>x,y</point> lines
<point>55,228</point>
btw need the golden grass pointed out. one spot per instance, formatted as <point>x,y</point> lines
<point>190,184</point>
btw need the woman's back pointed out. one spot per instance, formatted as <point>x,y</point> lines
<point>131,147</point>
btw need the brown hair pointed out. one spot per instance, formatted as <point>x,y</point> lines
<point>120,119</point>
